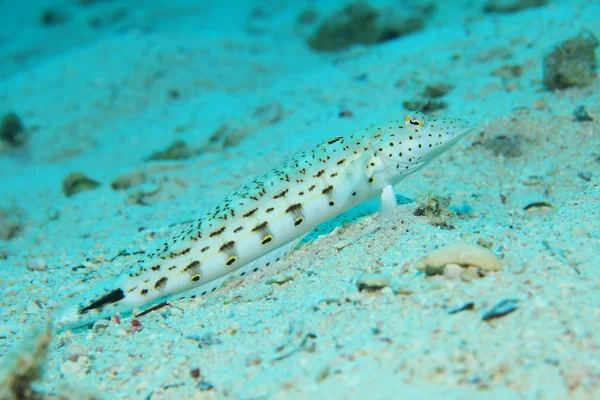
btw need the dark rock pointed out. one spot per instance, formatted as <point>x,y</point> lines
<point>572,63</point>
<point>12,131</point>
<point>360,23</point>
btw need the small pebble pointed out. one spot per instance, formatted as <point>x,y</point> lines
<point>459,253</point>
<point>38,264</point>
<point>469,275</point>
<point>581,115</point>
<point>453,271</point>
<point>341,244</point>
<point>282,278</point>
<point>372,282</point>
<point>74,351</point>
<point>195,373</point>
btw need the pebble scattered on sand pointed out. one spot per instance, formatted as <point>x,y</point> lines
<point>372,282</point>
<point>465,254</point>
<point>39,264</point>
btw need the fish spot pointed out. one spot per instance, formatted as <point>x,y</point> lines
<point>231,260</point>
<point>196,277</point>
<point>155,268</point>
<point>372,179</point>
<point>281,194</point>
<point>217,232</point>
<point>268,210</point>
<point>239,228</point>
<point>191,266</point>
<point>294,208</point>
<point>249,213</point>
<point>144,292</point>
<point>161,283</point>
<point>331,203</point>
<point>267,239</point>
<point>298,221</point>
<point>227,246</point>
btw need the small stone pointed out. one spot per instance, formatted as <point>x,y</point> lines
<point>435,90</point>
<point>572,63</point>
<point>462,254</point>
<point>469,275</point>
<point>77,182</point>
<point>178,150</point>
<point>195,373</point>
<point>577,231</point>
<point>74,351</point>
<point>100,325</point>
<point>581,115</point>
<point>453,271</point>
<point>341,244</point>
<point>53,17</point>
<point>128,180</point>
<point>282,278</point>
<point>38,264</point>
<point>539,208</point>
<point>361,23</point>
<point>12,131</point>
<point>508,146</point>
<point>253,359</point>
<point>372,282</point>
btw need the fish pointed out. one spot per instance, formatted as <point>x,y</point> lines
<point>264,220</point>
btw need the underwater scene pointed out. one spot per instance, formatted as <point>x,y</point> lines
<point>277,199</point>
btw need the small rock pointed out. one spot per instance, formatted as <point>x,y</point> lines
<point>508,146</point>
<point>53,17</point>
<point>435,209</point>
<point>469,274</point>
<point>453,271</point>
<point>128,180</point>
<point>581,115</point>
<point>372,282</point>
<point>12,131</point>
<point>539,208</point>
<point>360,23</point>
<point>435,90</point>
<point>100,325</point>
<point>77,182</point>
<point>38,264</point>
<point>73,351</point>
<point>282,278</point>
<point>341,244</point>
<point>460,253</point>
<point>425,105</point>
<point>178,150</point>
<point>572,63</point>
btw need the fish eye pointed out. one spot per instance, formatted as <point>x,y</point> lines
<point>413,121</point>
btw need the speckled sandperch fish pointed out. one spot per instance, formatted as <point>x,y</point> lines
<point>264,220</point>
